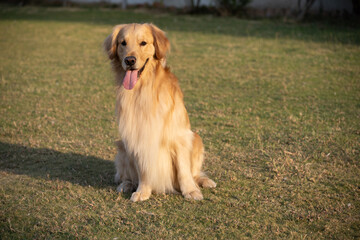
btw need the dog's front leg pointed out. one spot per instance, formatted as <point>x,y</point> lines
<point>143,192</point>
<point>145,163</point>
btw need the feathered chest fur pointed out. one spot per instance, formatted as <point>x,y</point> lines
<point>139,121</point>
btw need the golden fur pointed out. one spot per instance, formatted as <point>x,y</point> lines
<point>157,152</point>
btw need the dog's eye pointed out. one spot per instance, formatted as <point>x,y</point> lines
<point>143,43</point>
<point>123,43</point>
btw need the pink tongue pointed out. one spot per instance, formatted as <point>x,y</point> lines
<point>130,79</point>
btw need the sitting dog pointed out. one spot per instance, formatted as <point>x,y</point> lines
<point>157,152</point>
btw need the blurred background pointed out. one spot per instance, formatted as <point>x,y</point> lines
<point>297,9</point>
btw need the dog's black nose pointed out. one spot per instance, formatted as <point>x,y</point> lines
<point>130,60</point>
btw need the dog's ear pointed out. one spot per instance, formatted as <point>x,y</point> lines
<point>110,43</point>
<point>161,43</point>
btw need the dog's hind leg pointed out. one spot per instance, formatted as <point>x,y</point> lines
<point>197,159</point>
<point>188,187</point>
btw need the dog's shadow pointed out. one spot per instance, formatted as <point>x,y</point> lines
<point>50,164</point>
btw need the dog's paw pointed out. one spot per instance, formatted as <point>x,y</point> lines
<point>207,183</point>
<point>139,196</point>
<point>125,187</point>
<point>194,195</point>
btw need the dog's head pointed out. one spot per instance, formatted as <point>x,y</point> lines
<point>134,46</point>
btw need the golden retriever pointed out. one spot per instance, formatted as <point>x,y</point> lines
<point>157,152</point>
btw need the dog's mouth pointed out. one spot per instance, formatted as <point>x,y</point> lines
<point>132,76</point>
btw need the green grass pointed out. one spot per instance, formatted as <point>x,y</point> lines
<point>277,105</point>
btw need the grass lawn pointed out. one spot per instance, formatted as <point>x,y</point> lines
<point>277,105</point>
